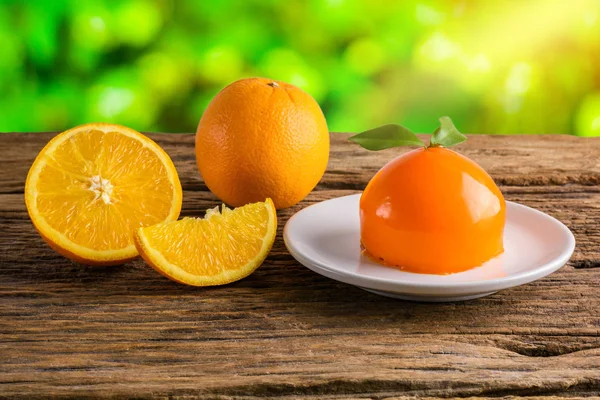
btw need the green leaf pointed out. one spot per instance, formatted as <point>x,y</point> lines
<point>446,135</point>
<point>387,136</point>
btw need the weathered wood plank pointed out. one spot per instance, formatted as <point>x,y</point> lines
<point>512,160</point>
<point>72,331</point>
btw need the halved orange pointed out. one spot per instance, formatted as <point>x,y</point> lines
<point>220,248</point>
<point>92,186</point>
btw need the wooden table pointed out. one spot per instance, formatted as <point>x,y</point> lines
<point>68,330</point>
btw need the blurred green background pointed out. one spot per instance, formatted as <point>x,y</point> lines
<point>527,66</point>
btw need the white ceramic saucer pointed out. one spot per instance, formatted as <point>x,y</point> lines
<point>325,237</point>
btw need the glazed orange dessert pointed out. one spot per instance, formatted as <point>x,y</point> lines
<point>432,211</point>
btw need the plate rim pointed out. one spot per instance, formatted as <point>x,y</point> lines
<point>480,286</point>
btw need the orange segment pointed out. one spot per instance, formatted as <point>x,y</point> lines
<point>92,186</point>
<point>222,247</point>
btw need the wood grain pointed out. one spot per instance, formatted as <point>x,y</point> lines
<point>70,331</point>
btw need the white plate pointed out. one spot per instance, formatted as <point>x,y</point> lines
<point>325,237</point>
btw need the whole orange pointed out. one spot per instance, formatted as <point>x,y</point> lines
<point>261,138</point>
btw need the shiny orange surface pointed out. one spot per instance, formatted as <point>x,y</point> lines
<point>432,211</point>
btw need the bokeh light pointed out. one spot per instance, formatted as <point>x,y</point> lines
<point>494,67</point>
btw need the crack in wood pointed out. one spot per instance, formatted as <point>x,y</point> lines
<point>387,388</point>
<point>585,264</point>
<point>545,350</point>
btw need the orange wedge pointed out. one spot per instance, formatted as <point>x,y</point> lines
<point>92,186</point>
<point>220,248</point>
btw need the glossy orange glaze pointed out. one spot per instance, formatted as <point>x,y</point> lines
<point>432,211</point>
